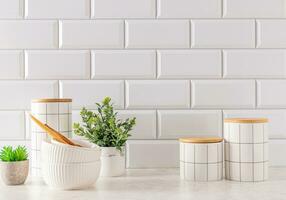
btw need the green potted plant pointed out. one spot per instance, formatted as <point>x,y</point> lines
<point>104,129</point>
<point>14,165</point>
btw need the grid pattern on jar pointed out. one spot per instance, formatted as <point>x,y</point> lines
<point>57,115</point>
<point>201,162</point>
<point>246,151</point>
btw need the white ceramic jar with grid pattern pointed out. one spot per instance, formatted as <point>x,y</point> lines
<point>57,113</point>
<point>201,159</point>
<point>246,149</point>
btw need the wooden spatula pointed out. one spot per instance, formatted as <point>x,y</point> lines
<point>53,133</point>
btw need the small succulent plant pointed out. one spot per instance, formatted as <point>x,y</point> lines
<point>8,154</point>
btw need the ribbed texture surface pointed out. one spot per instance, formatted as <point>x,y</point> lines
<point>57,153</point>
<point>70,176</point>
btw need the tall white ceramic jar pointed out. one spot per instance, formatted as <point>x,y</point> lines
<point>201,159</point>
<point>57,113</point>
<point>246,149</point>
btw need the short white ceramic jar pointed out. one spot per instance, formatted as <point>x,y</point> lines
<point>112,162</point>
<point>246,149</point>
<point>201,159</point>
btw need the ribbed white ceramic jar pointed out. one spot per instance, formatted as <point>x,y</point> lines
<point>201,159</point>
<point>246,149</point>
<point>57,113</point>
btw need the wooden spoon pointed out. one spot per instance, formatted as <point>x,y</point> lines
<point>53,133</point>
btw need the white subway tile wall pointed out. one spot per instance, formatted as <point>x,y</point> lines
<point>179,66</point>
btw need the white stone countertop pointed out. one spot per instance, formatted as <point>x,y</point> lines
<point>161,184</point>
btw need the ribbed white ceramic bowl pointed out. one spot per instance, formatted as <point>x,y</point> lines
<point>56,152</point>
<point>70,176</point>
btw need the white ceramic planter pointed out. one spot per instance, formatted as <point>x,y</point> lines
<point>246,149</point>
<point>201,159</point>
<point>57,113</point>
<point>112,162</point>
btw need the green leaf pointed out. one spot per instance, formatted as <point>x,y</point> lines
<point>7,154</point>
<point>103,127</point>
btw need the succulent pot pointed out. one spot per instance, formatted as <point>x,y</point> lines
<point>112,162</point>
<point>14,173</point>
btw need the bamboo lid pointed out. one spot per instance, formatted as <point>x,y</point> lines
<point>51,100</point>
<point>246,120</point>
<point>201,140</point>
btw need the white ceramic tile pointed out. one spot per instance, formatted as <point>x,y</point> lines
<point>254,9</point>
<point>152,154</point>
<point>51,64</point>
<point>223,94</point>
<point>11,65</point>
<point>53,9</point>
<point>87,93</point>
<point>123,8</point>
<point>270,33</point>
<point>12,125</point>
<point>186,123</point>
<point>28,34</point>
<point>11,9</point>
<point>27,125</point>
<point>92,34</point>
<point>156,94</point>
<point>189,64</point>
<point>14,144</point>
<point>123,64</point>
<point>223,33</point>
<point>189,9</point>
<point>145,127</point>
<point>152,33</point>
<point>254,63</point>
<point>277,118</point>
<point>270,93</point>
<point>18,94</point>
<point>277,150</point>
